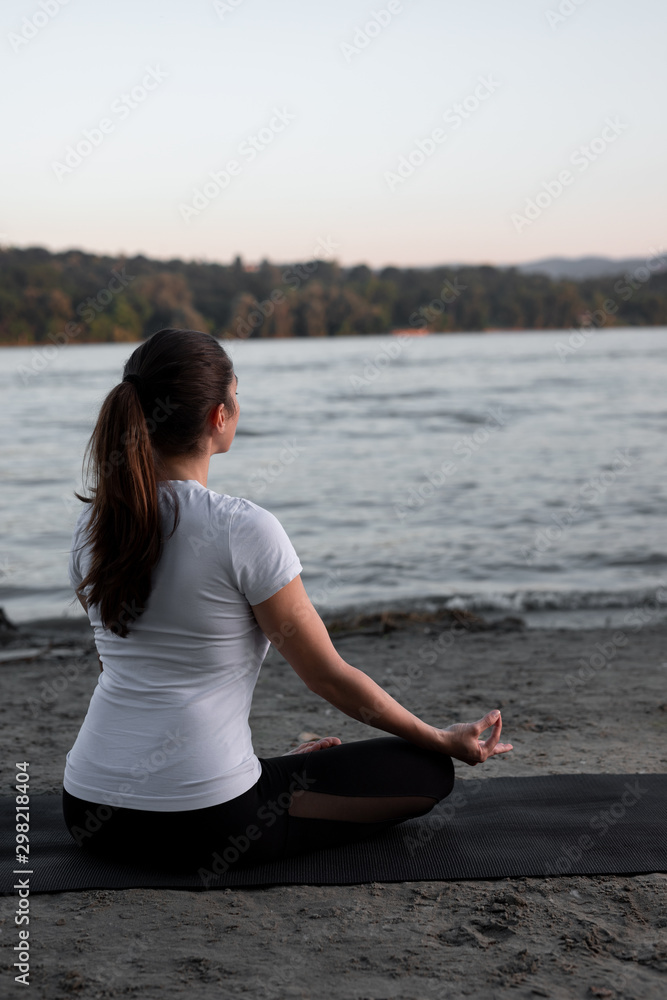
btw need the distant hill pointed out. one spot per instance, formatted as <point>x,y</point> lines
<point>581,268</point>
<point>566,268</point>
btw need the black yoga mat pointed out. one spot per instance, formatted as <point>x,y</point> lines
<point>565,824</point>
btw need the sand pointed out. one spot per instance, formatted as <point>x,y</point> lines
<point>563,937</point>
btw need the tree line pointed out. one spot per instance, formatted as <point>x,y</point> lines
<point>47,297</point>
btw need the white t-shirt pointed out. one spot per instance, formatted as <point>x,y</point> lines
<point>167,725</point>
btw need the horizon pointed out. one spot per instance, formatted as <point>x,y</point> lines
<point>407,133</point>
<point>345,265</point>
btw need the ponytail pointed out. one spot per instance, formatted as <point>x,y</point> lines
<point>171,383</point>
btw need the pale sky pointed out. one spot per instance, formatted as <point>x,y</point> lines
<point>500,95</point>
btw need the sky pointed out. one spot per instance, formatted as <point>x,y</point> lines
<point>387,133</point>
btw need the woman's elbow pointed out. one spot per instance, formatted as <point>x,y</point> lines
<point>323,677</point>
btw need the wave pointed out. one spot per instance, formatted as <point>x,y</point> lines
<point>524,601</point>
<point>544,600</point>
<point>654,559</point>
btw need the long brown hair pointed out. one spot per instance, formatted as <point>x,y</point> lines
<point>171,384</point>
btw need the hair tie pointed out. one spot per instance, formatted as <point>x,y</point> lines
<point>134,379</point>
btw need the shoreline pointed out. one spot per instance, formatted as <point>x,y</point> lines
<point>377,618</point>
<point>36,345</point>
<point>381,621</point>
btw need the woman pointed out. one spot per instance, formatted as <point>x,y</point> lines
<point>186,589</point>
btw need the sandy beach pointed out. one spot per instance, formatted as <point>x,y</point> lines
<point>572,701</point>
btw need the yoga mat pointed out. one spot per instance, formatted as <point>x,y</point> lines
<point>564,824</point>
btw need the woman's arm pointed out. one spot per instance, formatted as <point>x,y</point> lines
<point>291,623</point>
<point>84,605</point>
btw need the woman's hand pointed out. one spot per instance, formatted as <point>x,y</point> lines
<point>321,744</point>
<point>464,742</point>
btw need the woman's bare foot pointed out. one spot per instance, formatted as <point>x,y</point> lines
<point>321,744</point>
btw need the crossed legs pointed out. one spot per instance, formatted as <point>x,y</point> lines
<point>361,768</point>
<point>337,795</point>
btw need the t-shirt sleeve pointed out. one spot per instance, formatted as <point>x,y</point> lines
<point>263,558</point>
<point>78,538</point>
<point>75,577</point>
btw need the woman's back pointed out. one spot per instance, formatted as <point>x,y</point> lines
<point>185,589</point>
<point>167,727</point>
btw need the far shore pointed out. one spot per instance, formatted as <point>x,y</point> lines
<point>608,328</point>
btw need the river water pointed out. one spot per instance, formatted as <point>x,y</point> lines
<point>508,473</point>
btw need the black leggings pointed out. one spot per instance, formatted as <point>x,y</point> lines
<point>257,826</point>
